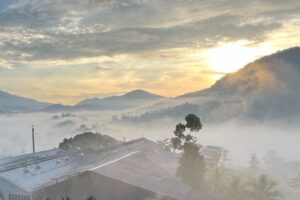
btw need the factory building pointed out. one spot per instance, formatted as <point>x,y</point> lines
<point>138,169</point>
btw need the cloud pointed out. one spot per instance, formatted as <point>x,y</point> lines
<point>4,64</point>
<point>85,45</point>
<point>69,29</point>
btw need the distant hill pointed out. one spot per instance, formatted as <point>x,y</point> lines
<point>57,108</point>
<point>267,88</point>
<point>129,100</point>
<point>14,103</point>
<point>11,103</point>
<point>275,74</point>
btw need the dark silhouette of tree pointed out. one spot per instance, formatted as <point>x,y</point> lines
<point>193,122</point>
<point>194,125</point>
<point>192,166</point>
<point>87,140</point>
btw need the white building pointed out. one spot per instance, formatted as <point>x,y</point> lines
<point>137,169</point>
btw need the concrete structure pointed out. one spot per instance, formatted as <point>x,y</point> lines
<point>138,169</point>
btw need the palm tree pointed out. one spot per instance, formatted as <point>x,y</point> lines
<point>264,189</point>
<point>236,189</point>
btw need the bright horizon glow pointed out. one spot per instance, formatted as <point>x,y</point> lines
<point>230,57</point>
<point>100,48</point>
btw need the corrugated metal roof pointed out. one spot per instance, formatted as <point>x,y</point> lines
<point>142,171</point>
<point>141,163</point>
<point>40,171</point>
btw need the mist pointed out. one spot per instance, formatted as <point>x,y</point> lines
<point>240,138</point>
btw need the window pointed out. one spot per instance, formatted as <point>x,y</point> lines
<point>17,197</point>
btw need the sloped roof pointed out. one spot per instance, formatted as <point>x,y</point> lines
<point>140,162</point>
<point>142,171</point>
<point>34,171</point>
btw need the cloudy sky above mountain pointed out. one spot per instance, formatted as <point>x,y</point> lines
<point>67,50</point>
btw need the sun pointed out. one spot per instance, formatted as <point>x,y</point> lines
<point>230,57</point>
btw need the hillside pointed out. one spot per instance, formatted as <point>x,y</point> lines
<point>14,103</point>
<point>131,99</point>
<point>267,88</point>
<point>275,74</point>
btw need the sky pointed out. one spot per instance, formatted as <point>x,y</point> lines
<point>63,51</point>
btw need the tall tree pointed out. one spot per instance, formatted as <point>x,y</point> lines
<point>192,166</point>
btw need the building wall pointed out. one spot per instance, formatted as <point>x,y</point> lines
<point>7,188</point>
<point>89,183</point>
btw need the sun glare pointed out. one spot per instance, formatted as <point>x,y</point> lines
<point>230,57</point>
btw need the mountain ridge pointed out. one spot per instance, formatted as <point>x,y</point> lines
<point>262,71</point>
<point>14,103</point>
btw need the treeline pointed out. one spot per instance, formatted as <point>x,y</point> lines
<point>176,112</point>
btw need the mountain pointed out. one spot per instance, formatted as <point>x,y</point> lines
<point>57,108</point>
<point>129,100</point>
<point>13,103</point>
<point>268,88</point>
<point>275,74</point>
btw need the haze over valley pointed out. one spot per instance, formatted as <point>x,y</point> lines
<point>149,100</point>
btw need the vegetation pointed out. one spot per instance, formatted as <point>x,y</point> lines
<point>263,188</point>
<point>176,112</point>
<point>236,189</point>
<point>253,164</point>
<point>192,166</point>
<point>87,140</point>
<point>65,123</point>
<point>216,179</point>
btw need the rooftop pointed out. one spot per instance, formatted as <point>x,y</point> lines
<point>139,162</point>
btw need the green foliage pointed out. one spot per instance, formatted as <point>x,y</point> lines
<point>87,140</point>
<point>193,122</point>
